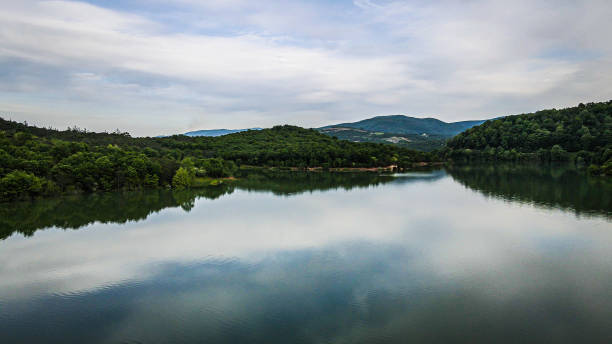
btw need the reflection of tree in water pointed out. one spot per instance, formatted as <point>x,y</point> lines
<point>547,186</point>
<point>73,212</point>
<point>291,183</point>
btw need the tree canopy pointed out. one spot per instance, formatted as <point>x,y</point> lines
<point>583,132</point>
<point>37,161</point>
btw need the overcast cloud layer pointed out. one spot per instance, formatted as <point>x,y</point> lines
<point>151,68</point>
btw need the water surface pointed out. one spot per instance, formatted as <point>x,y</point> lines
<point>467,254</point>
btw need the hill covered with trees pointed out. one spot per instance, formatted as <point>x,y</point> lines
<point>423,134</point>
<point>582,133</point>
<point>400,124</point>
<point>37,161</point>
<point>420,142</point>
<point>217,132</point>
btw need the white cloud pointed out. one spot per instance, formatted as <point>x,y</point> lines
<point>243,64</point>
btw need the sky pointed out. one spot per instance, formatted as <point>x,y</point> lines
<point>155,67</point>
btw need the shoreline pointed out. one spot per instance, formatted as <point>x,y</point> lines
<point>389,168</point>
<point>206,182</point>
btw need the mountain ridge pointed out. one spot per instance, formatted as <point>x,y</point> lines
<point>402,124</point>
<point>216,132</point>
<point>423,134</point>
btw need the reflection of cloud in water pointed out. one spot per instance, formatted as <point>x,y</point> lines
<point>473,231</point>
<point>402,260</point>
<point>435,175</point>
<point>79,211</point>
<point>353,292</point>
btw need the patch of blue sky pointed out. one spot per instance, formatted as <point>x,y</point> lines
<point>570,55</point>
<point>238,19</point>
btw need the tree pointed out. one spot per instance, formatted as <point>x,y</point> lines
<point>19,184</point>
<point>183,179</point>
<point>557,153</point>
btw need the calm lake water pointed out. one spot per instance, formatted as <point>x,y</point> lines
<point>491,254</point>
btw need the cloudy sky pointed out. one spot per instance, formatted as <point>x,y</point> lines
<point>151,68</point>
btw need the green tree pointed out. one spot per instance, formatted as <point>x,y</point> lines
<point>183,179</point>
<point>557,153</point>
<point>20,184</point>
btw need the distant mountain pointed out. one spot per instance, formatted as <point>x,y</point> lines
<point>400,124</point>
<point>217,132</point>
<point>424,134</point>
<point>422,142</point>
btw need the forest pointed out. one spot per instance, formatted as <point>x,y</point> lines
<point>582,134</point>
<point>37,161</point>
<point>43,161</point>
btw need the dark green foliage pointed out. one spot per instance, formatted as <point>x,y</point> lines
<point>183,178</point>
<point>289,146</point>
<point>49,161</point>
<point>216,167</point>
<point>18,183</point>
<point>583,133</point>
<point>74,160</point>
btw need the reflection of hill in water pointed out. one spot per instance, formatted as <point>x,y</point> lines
<point>544,186</point>
<point>551,187</point>
<point>293,183</point>
<point>73,212</point>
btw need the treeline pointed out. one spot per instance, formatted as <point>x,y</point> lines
<point>37,161</point>
<point>290,146</point>
<point>582,134</point>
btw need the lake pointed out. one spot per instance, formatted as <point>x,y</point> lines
<point>465,254</point>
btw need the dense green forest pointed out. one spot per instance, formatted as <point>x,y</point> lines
<point>582,134</point>
<point>38,161</point>
<point>42,161</point>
